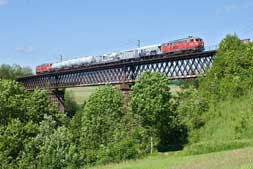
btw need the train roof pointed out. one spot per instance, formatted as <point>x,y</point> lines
<point>183,39</point>
<point>44,64</point>
<point>143,47</point>
<point>72,59</point>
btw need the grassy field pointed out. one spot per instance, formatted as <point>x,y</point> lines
<point>83,93</point>
<point>234,159</point>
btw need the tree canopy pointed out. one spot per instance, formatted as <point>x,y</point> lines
<point>153,105</point>
<point>232,70</point>
<point>21,114</point>
<point>12,72</point>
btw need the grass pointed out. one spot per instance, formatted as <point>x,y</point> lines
<point>82,93</point>
<point>216,146</point>
<point>233,159</point>
<point>227,121</point>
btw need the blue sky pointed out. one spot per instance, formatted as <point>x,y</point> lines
<point>33,32</point>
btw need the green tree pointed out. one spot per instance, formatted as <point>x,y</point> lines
<point>12,101</point>
<point>101,114</point>
<point>109,134</point>
<point>21,114</point>
<point>13,138</point>
<point>191,110</point>
<point>12,72</point>
<point>232,70</point>
<point>55,152</point>
<point>152,104</point>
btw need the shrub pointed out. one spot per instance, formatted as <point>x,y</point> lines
<point>232,70</point>
<point>21,114</point>
<point>152,104</point>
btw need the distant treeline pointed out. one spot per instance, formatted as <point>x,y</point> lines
<point>14,71</point>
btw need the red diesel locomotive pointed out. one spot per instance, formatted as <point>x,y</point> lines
<point>44,68</point>
<point>179,46</point>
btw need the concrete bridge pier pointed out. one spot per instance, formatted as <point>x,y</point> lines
<point>56,96</point>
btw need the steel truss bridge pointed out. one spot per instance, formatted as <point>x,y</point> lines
<point>181,66</point>
<point>174,66</point>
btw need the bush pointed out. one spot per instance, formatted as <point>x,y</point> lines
<point>101,116</point>
<point>232,70</point>
<point>55,150</point>
<point>152,104</point>
<point>21,114</point>
<point>103,110</point>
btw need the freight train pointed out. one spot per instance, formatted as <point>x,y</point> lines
<point>189,44</point>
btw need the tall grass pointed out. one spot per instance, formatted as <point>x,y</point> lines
<point>229,125</point>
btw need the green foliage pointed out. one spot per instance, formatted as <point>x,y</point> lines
<point>213,113</point>
<point>103,109</point>
<point>51,148</point>
<point>153,106</point>
<point>109,134</point>
<point>130,141</point>
<point>216,146</point>
<point>191,110</point>
<point>75,129</point>
<point>232,70</point>
<point>189,83</point>
<point>12,72</point>
<point>124,149</point>
<point>12,101</point>
<point>70,105</point>
<point>218,113</point>
<point>21,114</point>
<point>150,98</point>
<point>55,150</point>
<point>234,118</point>
<point>16,102</point>
<point>13,138</point>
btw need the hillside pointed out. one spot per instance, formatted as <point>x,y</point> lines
<point>235,159</point>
